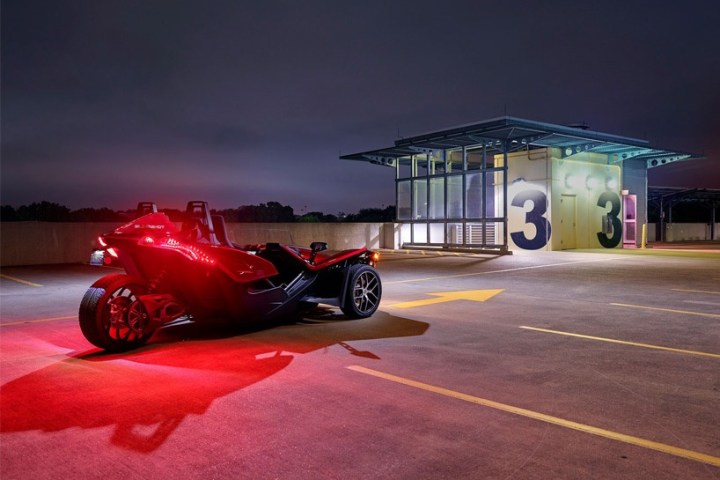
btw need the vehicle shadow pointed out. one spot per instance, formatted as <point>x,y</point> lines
<point>145,394</point>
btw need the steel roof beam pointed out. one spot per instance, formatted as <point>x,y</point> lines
<point>570,150</point>
<point>664,159</point>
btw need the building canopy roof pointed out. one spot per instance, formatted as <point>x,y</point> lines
<point>513,134</point>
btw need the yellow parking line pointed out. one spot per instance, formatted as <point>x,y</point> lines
<point>685,312</point>
<point>20,280</point>
<point>622,342</point>
<point>37,321</point>
<point>640,442</point>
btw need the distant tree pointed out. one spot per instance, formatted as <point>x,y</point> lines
<point>269,212</point>
<point>317,217</point>
<point>373,215</point>
<point>264,213</point>
<point>8,214</point>
<point>97,215</point>
<point>173,214</point>
<point>43,212</point>
<point>229,214</point>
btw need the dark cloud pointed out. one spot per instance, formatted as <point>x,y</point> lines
<point>106,103</point>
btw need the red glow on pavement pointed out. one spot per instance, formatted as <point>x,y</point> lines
<point>146,394</point>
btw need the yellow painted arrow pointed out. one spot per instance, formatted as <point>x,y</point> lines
<point>441,297</point>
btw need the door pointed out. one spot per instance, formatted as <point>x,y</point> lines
<point>629,221</point>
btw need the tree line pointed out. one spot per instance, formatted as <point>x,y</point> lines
<point>270,212</point>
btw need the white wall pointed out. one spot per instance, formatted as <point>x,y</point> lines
<point>529,207</point>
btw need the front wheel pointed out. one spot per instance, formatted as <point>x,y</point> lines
<point>364,291</point>
<point>112,316</point>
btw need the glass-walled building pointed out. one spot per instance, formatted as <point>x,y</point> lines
<point>511,183</point>
<point>447,197</point>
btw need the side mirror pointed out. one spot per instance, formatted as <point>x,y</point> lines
<point>316,247</point>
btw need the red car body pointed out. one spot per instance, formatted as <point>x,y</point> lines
<point>196,271</point>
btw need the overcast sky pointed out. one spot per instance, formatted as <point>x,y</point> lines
<point>107,103</point>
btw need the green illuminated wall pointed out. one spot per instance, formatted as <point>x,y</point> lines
<point>557,204</point>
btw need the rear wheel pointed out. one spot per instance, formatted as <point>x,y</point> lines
<point>112,316</point>
<point>364,291</point>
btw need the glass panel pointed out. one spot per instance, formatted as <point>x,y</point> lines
<point>494,192</point>
<point>629,232</point>
<point>474,159</point>
<point>419,232</point>
<point>419,199</point>
<point>421,165</point>
<point>405,167</point>
<point>403,199</point>
<point>473,195</point>
<point>437,233</point>
<point>499,238</point>
<point>437,163</point>
<point>436,209</point>
<point>493,160</point>
<point>454,161</point>
<point>405,233</point>
<point>455,196</point>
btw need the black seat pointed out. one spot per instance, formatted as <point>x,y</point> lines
<point>197,220</point>
<point>194,230</point>
<point>220,231</point>
<point>286,262</point>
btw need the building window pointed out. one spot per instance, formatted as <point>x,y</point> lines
<point>455,196</point>
<point>474,195</point>
<point>436,209</point>
<point>404,200</point>
<point>419,199</point>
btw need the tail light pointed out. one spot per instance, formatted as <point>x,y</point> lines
<point>189,251</point>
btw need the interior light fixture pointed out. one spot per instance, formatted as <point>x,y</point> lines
<point>591,183</point>
<point>573,181</point>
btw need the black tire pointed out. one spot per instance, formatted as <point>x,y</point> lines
<point>364,291</point>
<point>111,317</point>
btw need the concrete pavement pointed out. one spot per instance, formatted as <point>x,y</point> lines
<point>536,365</point>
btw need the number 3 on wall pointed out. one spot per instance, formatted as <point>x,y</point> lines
<point>535,217</point>
<point>612,220</point>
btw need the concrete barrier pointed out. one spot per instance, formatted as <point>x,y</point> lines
<point>684,232</point>
<point>41,243</point>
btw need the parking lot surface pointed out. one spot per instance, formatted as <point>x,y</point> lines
<point>542,365</point>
